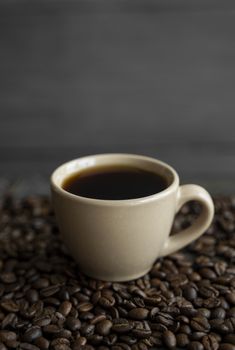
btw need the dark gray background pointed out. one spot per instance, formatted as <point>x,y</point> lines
<point>155,77</point>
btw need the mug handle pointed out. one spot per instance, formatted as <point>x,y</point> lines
<point>188,193</point>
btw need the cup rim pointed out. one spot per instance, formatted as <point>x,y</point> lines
<point>174,184</point>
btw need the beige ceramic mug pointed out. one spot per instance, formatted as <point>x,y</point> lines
<point>119,240</point>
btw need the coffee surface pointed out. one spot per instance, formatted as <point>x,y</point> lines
<point>114,183</point>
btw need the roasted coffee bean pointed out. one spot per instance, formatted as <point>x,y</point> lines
<point>128,304</point>
<point>32,295</point>
<point>164,318</point>
<point>224,304</point>
<point>153,301</point>
<point>208,292</point>
<point>139,346</point>
<point>80,296</point>
<point>86,316</point>
<point>99,311</point>
<point>230,297</point>
<point>73,323</point>
<point>31,334</point>
<point>226,346</point>
<point>42,321</point>
<point>80,341</point>
<point>230,323</point>
<point>113,311</point>
<point>95,339</point>
<point>204,312</point>
<point>210,342</point>
<point>152,341</point>
<point>63,294</point>
<point>74,311</point>
<point>195,345</point>
<point>41,283</point>
<point>230,338</point>
<point>84,307</point>
<point>218,312</point>
<point>121,326</point>
<point>139,302</point>
<point>9,319</point>
<point>169,339</point>
<point>104,327</point>
<point>107,301</point>
<point>110,339</point>
<point>60,341</point>
<point>197,335</point>
<point>49,291</point>
<point>219,326</point>
<point>42,343</point>
<point>182,340</point>
<point>200,324</point>
<point>171,310</point>
<point>95,297</point>
<point>231,312</point>
<point>97,319</point>
<point>51,329</point>
<point>2,346</point>
<point>158,327</point>
<point>9,305</point>
<point>12,344</point>
<point>194,277</point>
<point>63,333</point>
<point>6,336</point>
<point>185,329</point>
<point>189,311</point>
<point>138,313</point>
<point>218,337</point>
<point>134,290</point>
<point>51,301</point>
<point>122,312</point>
<point>183,319</point>
<point>199,302</point>
<point>87,329</point>
<point>211,303</point>
<point>141,333</point>
<point>153,312</point>
<point>129,340</point>
<point>7,277</point>
<point>190,293</point>
<point>65,308</point>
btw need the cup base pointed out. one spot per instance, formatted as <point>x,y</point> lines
<point>118,278</point>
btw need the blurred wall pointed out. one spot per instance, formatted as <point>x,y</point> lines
<point>143,76</point>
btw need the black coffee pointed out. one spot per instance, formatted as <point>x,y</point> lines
<point>114,183</point>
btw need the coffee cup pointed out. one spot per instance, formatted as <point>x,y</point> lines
<point>119,240</point>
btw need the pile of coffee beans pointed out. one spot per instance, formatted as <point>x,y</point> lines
<point>187,301</point>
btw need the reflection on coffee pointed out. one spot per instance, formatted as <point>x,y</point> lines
<point>114,182</point>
